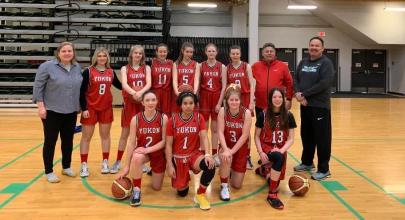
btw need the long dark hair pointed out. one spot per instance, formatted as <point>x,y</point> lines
<point>183,48</point>
<point>271,115</point>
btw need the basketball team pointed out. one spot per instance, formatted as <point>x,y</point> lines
<point>170,106</point>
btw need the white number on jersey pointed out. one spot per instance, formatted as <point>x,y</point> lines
<point>138,84</point>
<point>101,89</point>
<point>185,143</point>
<point>209,83</point>
<point>277,138</point>
<point>185,79</point>
<point>233,136</point>
<point>149,139</point>
<point>237,82</point>
<point>162,79</point>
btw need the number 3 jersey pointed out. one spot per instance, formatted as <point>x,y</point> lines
<point>270,138</point>
<point>185,133</point>
<point>234,127</point>
<point>98,94</point>
<point>148,132</point>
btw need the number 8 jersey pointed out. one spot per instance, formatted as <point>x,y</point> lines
<point>99,95</point>
<point>185,133</point>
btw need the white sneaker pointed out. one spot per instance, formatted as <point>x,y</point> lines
<point>52,178</point>
<point>104,167</point>
<point>84,170</point>
<point>216,159</point>
<point>68,172</point>
<point>116,167</point>
<point>225,194</point>
<point>146,169</point>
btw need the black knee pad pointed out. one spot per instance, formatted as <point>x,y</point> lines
<point>207,175</point>
<point>278,160</point>
<point>183,192</point>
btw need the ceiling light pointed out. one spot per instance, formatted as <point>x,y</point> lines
<point>201,5</point>
<point>302,7</point>
<point>394,9</point>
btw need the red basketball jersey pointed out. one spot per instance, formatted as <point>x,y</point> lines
<point>211,77</point>
<point>135,78</point>
<point>186,134</point>
<point>162,74</point>
<point>148,133</point>
<point>234,127</point>
<point>272,138</point>
<point>186,73</point>
<point>99,95</point>
<point>239,76</point>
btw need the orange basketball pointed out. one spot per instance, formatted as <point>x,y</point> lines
<point>121,188</point>
<point>185,88</point>
<point>298,184</point>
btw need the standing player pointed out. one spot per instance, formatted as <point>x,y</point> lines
<point>234,123</point>
<point>186,71</point>
<point>240,73</point>
<point>274,135</point>
<point>162,79</point>
<point>146,143</point>
<point>136,80</point>
<point>184,132</point>
<point>213,84</point>
<point>96,104</point>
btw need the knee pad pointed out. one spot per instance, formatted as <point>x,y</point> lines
<point>207,175</point>
<point>183,192</point>
<point>277,159</point>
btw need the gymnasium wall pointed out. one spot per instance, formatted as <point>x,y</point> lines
<point>397,66</point>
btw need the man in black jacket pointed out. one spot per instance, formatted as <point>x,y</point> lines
<point>312,84</point>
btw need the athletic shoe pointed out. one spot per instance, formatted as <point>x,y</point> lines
<point>68,172</point>
<point>52,178</point>
<point>136,197</point>
<point>274,201</point>
<point>116,167</point>
<point>146,169</point>
<point>202,201</point>
<point>249,164</point>
<point>303,167</point>
<point>320,176</point>
<point>84,170</point>
<point>225,195</point>
<point>217,161</point>
<point>104,167</point>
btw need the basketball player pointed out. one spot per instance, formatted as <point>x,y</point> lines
<point>136,80</point>
<point>146,143</point>
<point>162,79</point>
<point>185,130</point>
<point>213,84</point>
<point>185,71</point>
<point>234,123</point>
<point>274,135</point>
<point>96,104</point>
<point>240,73</point>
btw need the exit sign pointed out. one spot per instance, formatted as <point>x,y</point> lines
<point>321,34</point>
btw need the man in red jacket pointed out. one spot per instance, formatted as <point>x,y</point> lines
<point>270,73</point>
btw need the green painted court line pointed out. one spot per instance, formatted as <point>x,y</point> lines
<point>360,173</point>
<point>18,188</point>
<point>331,187</point>
<point>20,156</point>
<point>125,202</point>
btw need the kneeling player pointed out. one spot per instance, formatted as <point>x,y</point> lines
<point>274,135</point>
<point>234,123</point>
<point>146,143</point>
<point>184,132</point>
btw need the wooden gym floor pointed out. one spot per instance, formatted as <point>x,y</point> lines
<point>368,180</point>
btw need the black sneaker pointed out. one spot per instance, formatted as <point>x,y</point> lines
<point>249,164</point>
<point>136,197</point>
<point>274,201</point>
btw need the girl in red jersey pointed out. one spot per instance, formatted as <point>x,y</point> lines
<point>234,123</point>
<point>146,143</point>
<point>96,104</point>
<point>136,80</point>
<point>186,71</point>
<point>274,135</point>
<point>162,79</point>
<point>240,73</point>
<point>213,84</point>
<point>185,130</point>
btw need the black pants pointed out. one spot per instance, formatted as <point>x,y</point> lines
<point>316,133</point>
<point>258,110</point>
<point>54,124</point>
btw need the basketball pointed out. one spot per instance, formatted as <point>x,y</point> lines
<point>121,188</point>
<point>136,88</point>
<point>185,88</point>
<point>298,184</point>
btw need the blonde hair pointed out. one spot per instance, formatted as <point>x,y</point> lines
<point>95,54</point>
<point>59,48</point>
<point>231,90</point>
<point>133,48</point>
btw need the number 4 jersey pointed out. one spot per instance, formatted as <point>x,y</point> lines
<point>98,94</point>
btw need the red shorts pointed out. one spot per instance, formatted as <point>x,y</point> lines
<point>208,101</point>
<point>267,149</point>
<point>130,110</point>
<point>157,161</point>
<point>103,117</point>
<point>239,159</point>
<point>165,101</point>
<point>183,165</point>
